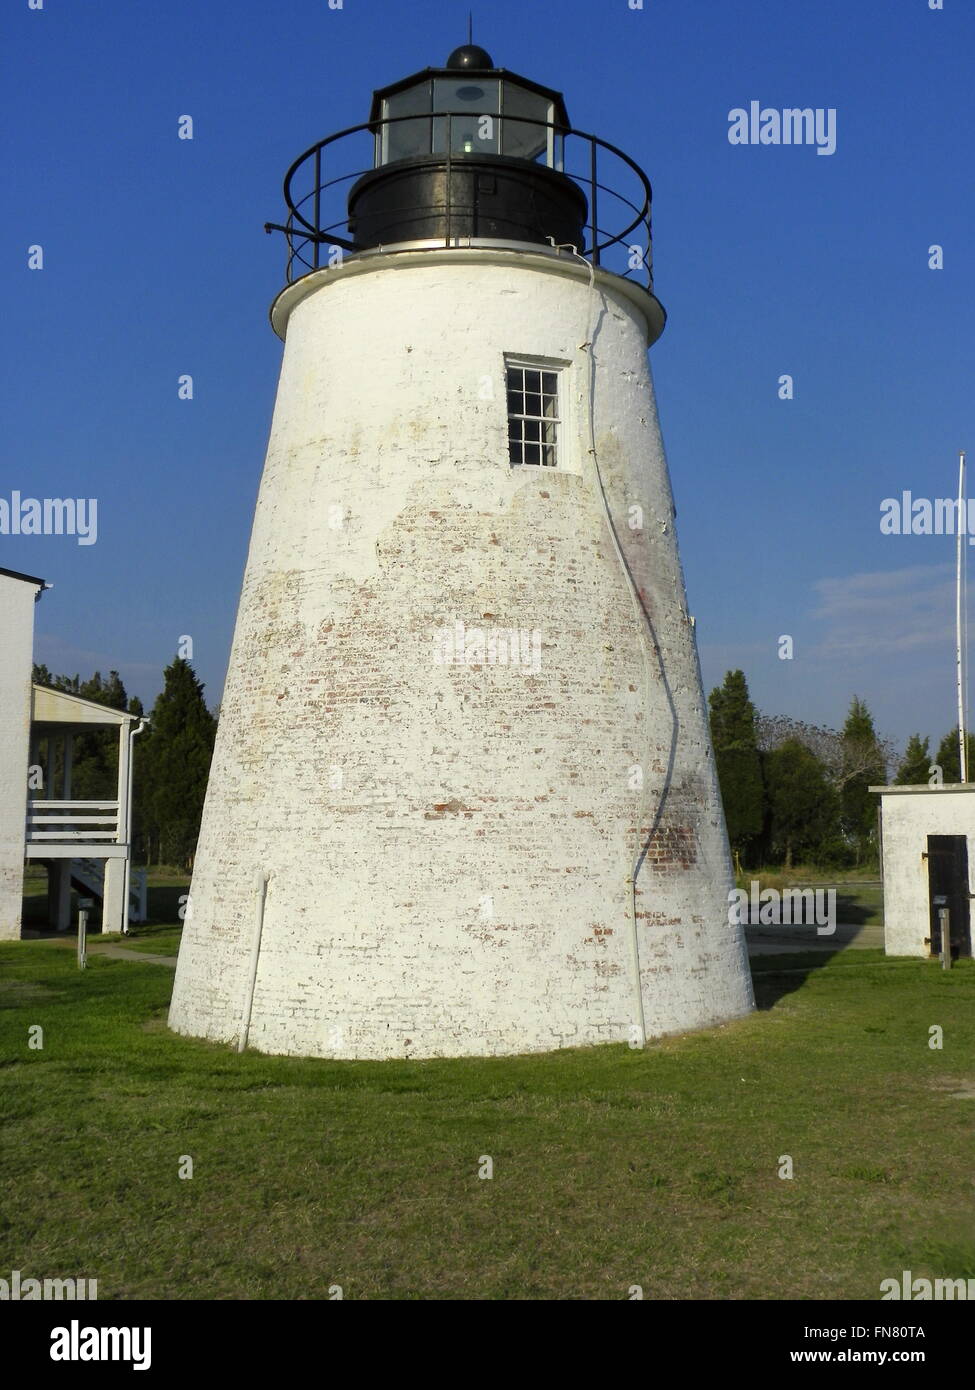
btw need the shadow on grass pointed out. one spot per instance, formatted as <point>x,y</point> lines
<point>163,902</point>
<point>774,977</point>
<point>852,910</point>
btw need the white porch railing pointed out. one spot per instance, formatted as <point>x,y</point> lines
<point>67,821</point>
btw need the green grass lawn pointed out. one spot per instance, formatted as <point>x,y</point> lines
<point>612,1167</point>
<point>159,940</point>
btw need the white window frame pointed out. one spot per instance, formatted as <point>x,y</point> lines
<point>557,421</point>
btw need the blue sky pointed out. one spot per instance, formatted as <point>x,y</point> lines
<point>770,260</point>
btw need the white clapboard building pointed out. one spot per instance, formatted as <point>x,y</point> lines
<point>82,844</point>
<point>463,798</point>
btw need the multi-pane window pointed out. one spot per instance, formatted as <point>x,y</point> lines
<point>533,415</point>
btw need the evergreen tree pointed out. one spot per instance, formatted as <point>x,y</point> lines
<point>948,757</point>
<point>802,803</point>
<point>175,763</point>
<point>42,676</point>
<point>864,766</point>
<point>738,761</point>
<point>915,764</point>
<point>95,772</point>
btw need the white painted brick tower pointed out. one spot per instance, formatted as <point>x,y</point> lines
<point>463,798</point>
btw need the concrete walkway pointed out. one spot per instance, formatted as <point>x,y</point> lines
<point>97,947</point>
<point>126,953</point>
<point>765,941</point>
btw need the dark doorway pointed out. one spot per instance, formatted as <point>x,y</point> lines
<point>948,887</point>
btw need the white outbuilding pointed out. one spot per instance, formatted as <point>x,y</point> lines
<point>927,847</point>
<point>82,843</point>
<point>18,595</point>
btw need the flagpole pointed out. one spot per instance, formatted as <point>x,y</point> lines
<point>959,646</point>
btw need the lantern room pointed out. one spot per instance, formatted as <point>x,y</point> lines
<point>467,150</point>
<point>472,107</point>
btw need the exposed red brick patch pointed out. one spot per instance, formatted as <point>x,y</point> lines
<point>441,808</point>
<point>673,847</point>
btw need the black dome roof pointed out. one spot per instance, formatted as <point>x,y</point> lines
<point>470,55</point>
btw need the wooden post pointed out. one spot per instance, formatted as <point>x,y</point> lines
<point>123,787</point>
<point>61,872</point>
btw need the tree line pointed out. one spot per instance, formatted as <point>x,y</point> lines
<point>799,792</point>
<point>171,759</point>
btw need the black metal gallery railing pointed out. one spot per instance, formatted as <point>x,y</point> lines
<point>612,194</point>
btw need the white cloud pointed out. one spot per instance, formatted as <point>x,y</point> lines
<point>886,613</point>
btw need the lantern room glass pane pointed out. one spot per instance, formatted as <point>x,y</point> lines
<point>528,137</point>
<point>475,129</point>
<point>405,139</point>
<point>477,109</point>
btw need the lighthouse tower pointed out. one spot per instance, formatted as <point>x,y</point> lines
<point>463,798</point>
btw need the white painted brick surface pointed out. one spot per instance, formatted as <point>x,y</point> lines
<point>16,653</point>
<point>459,783</point>
<point>908,820</point>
